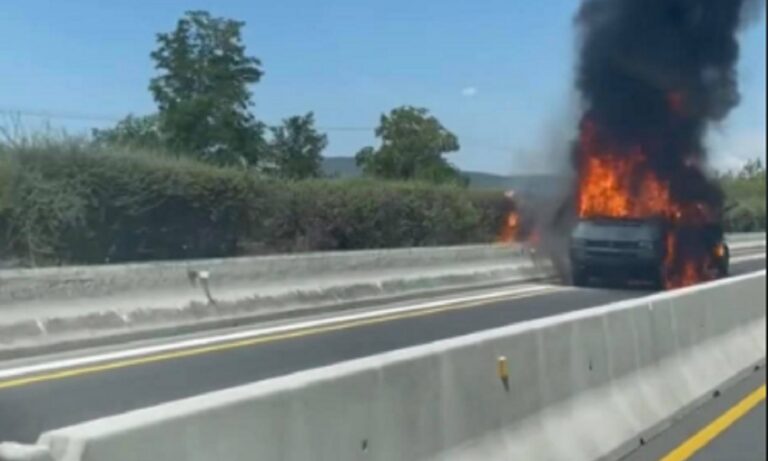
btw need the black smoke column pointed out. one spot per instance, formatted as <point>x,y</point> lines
<point>655,74</point>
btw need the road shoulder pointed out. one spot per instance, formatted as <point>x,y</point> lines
<point>746,437</point>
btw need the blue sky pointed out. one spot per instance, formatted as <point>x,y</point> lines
<point>498,73</point>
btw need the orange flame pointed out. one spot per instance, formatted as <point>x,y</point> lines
<point>619,185</point>
<point>610,188</point>
<point>720,251</point>
<point>684,277</point>
<point>511,229</point>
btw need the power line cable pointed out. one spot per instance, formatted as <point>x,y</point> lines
<point>23,112</point>
<point>114,119</point>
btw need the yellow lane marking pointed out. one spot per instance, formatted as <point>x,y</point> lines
<point>716,427</point>
<point>18,382</point>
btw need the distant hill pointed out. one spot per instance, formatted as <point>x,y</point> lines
<point>345,167</point>
<point>341,167</point>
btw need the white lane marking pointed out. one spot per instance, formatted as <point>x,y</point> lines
<point>223,338</point>
<point>741,259</point>
<point>209,340</point>
<point>747,244</point>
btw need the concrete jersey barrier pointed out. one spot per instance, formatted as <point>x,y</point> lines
<point>53,308</point>
<point>77,282</point>
<point>581,386</point>
<point>19,285</point>
<point>746,237</point>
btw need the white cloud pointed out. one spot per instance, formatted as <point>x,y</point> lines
<point>469,91</point>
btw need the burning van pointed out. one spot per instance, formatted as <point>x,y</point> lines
<point>653,76</point>
<point>626,249</point>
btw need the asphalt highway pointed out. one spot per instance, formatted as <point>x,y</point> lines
<point>47,401</point>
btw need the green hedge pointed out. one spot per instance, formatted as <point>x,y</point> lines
<point>81,206</point>
<point>746,197</point>
<point>5,204</point>
<point>76,204</point>
<point>326,215</point>
<point>746,217</point>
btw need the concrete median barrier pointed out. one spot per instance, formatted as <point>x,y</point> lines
<point>59,284</point>
<point>581,386</point>
<point>81,304</point>
<point>17,452</point>
<point>54,308</point>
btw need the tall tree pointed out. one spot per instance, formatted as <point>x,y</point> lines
<point>412,147</point>
<point>296,148</point>
<point>203,93</point>
<point>753,169</point>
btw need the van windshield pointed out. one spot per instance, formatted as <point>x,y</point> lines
<point>617,230</point>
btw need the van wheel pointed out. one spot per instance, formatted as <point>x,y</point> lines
<point>580,278</point>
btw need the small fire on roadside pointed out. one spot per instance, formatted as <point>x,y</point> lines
<point>518,230</point>
<point>510,231</point>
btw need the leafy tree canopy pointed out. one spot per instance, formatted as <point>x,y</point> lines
<point>413,143</point>
<point>296,148</point>
<point>202,91</point>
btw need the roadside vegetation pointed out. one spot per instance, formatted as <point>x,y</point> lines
<point>203,177</point>
<point>81,203</point>
<point>745,197</point>
<point>73,201</point>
